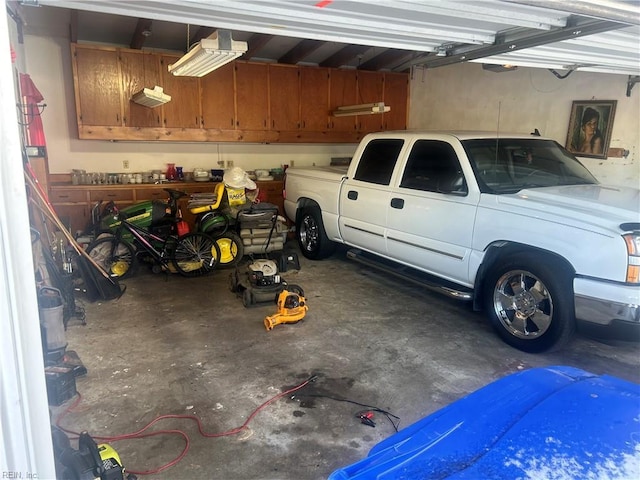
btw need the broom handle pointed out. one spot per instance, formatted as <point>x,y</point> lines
<point>48,208</point>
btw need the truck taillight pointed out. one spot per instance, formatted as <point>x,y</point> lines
<point>633,250</point>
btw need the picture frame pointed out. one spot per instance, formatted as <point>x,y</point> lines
<point>590,126</point>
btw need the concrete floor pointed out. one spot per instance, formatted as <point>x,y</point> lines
<point>188,346</point>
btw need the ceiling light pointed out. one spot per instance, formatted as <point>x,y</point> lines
<point>363,109</point>
<point>151,98</point>
<point>208,54</point>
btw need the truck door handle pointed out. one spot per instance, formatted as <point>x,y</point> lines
<point>397,203</point>
<point>352,195</point>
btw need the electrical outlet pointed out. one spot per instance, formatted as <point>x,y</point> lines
<point>125,164</point>
<point>229,163</point>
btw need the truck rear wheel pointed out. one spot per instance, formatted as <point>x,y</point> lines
<point>530,302</point>
<point>312,238</point>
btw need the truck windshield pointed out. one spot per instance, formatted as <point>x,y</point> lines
<point>510,165</point>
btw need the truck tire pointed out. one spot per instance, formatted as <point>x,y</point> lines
<point>312,239</point>
<point>529,302</point>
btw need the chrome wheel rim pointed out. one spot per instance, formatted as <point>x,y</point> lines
<point>309,233</point>
<point>523,304</point>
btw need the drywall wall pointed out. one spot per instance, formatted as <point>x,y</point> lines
<point>466,97</point>
<point>48,61</point>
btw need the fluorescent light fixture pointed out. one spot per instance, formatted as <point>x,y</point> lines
<point>151,98</point>
<point>363,109</point>
<point>208,54</point>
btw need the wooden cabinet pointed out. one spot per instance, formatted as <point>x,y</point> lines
<point>342,91</point>
<point>217,98</point>
<point>272,193</point>
<point>73,203</point>
<point>314,92</point>
<point>284,97</point>
<point>183,111</point>
<point>72,207</point>
<point>140,70</point>
<point>396,90</point>
<point>121,196</point>
<point>370,90</point>
<point>239,102</point>
<point>97,86</point>
<point>252,96</point>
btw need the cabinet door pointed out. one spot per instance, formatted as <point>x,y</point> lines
<point>139,70</point>
<point>284,97</point>
<point>183,111</point>
<point>314,94</point>
<point>97,82</point>
<point>252,96</point>
<point>396,90</point>
<point>72,207</point>
<point>272,191</point>
<point>342,92</point>
<point>74,217</point>
<point>370,89</point>
<point>218,100</point>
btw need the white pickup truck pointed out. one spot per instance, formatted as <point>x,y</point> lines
<point>514,223</point>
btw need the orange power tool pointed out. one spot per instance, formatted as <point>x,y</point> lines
<point>292,307</point>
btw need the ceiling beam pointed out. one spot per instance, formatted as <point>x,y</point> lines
<point>344,56</point>
<point>202,32</point>
<point>391,56</point>
<point>302,50</point>
<point>256,42</point>
<point>143,30</point>
<point>507,44</point>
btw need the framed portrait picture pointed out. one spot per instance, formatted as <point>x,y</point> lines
<point>590,127</point>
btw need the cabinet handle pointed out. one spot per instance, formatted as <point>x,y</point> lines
<point>304,124</point>
<point>158,119</point>
<point>273,124</point>
<point>232,121</point>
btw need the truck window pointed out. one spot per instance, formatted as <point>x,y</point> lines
<point>378,160</point>
<point>509,165</point>
<point>433,166</point>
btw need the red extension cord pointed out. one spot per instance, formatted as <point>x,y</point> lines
<point>140,433</point>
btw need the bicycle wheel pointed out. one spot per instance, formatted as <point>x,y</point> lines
<point>194,254</point>
<point>116,257</point>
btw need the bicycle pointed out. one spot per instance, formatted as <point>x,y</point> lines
<point>190,255</point>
